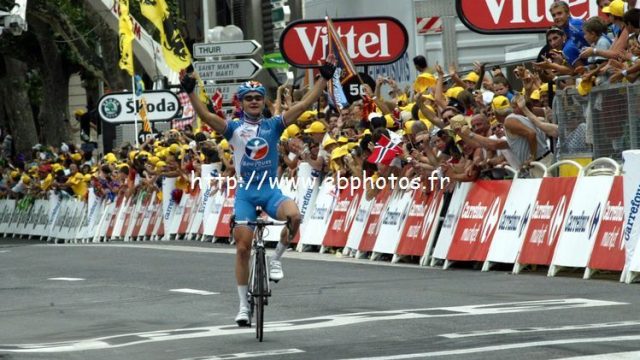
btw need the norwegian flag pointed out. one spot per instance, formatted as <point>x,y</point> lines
<point>216,101</point>
<point>385,151</point>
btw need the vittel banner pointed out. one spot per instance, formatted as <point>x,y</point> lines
<point>516,16</point>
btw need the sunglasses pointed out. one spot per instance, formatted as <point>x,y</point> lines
<point>250,98</point>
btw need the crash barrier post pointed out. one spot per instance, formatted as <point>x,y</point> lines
<point>559,222</point>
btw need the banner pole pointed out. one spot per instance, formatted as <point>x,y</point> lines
<point>135,107</point>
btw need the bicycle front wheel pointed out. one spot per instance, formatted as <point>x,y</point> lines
<point>260,294</point>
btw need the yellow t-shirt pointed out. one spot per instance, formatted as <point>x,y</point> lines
<point>78,185</point>
<point>45,184</point>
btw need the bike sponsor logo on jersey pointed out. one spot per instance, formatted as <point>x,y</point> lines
<point>257,148</point>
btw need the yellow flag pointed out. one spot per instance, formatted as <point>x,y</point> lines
<point>126,37</point>
<point>175,51</point>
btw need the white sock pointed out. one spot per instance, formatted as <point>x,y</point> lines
<point>242,293</point>
<point>280,249</point>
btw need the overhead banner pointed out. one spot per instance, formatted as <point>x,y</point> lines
<point>516,16</point>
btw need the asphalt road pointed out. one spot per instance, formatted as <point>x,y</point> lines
<point>177,301</point>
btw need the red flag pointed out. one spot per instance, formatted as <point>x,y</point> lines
<point>385,151</point>
<point>216,101</point>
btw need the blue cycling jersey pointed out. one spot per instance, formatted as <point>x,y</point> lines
<point>255,148</point>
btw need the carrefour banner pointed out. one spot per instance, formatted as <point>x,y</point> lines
<point>631,185</point>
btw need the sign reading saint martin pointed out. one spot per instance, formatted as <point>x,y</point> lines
<point>227,70</point>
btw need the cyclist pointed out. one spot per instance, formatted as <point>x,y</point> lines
<point>255,142</point>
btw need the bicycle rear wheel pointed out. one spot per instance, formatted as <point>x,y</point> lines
<point>260,294</point>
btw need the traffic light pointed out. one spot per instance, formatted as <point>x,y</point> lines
<point>275,16</point>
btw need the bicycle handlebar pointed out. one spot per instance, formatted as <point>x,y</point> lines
<point>257,223</point>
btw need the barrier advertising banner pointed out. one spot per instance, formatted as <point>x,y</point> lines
<point>318,217</point>
<point>372,228</point>
<point>478,220</point>
<point>359,223</point>
<point>582,222</point>
<point>631,171</point>
<point>513,223</point>
<point>393,221</point>
<point>546,221</point>
<point>450,220</point>
<point>222,228</point>
<point>342,218</point>
<point>421,221</point>
<point>608,249</point>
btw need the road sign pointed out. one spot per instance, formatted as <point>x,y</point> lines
<point>228,69</point>
<point>226,48</point>
<point>227,90</point>
<point>119,108</point>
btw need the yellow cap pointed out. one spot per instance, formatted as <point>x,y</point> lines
<point>132,154</point>
<point>154,160</point>
<point>76,156</point>
<point>408,127</point>
<point>329,141</point>
<point>352,145</point>
<point>500,103</point>
<point>584,87</point>
<point>110,158</point>
<point>472,76</point>
<point>122,165</point>
<point>339,152</point>
<point>424,81</point>
<point>606,10</point>
<point>366,132</point>
<point>57,167</point>
<point>15,174</point>
<point>429,97</point>
<point>343,140</point>
<point>454,92</point>
<point>26,179</point>
<point>174,148</point>
<point>535,95</point>
<point>292,130</point>
<point>224,144</point>
<point>284,137</point>
<point>307,115</point>
<point>79,112</point>
<point>617,8</point>
<point>316,127</point>
<point>160,164</point>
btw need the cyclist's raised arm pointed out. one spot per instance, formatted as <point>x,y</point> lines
<point>188,84</point>
<point>326,72</point>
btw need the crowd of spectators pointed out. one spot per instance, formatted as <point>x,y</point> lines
<point>460,126</point>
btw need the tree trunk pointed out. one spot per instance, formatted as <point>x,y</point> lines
<point>17,108</point>
<point>55,87</point>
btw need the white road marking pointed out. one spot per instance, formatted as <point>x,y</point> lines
<point>4,251</point>
<point>328,321</point>
<point>66,279</point>
<point>522,345</point>
<point>194,291</point>
<point>247,355</point>
<point>631,355</point>
<point>539,329</point>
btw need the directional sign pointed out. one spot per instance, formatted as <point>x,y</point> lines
<point>228,69</point>
<point>227,90</point>
<point>226,48</point>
